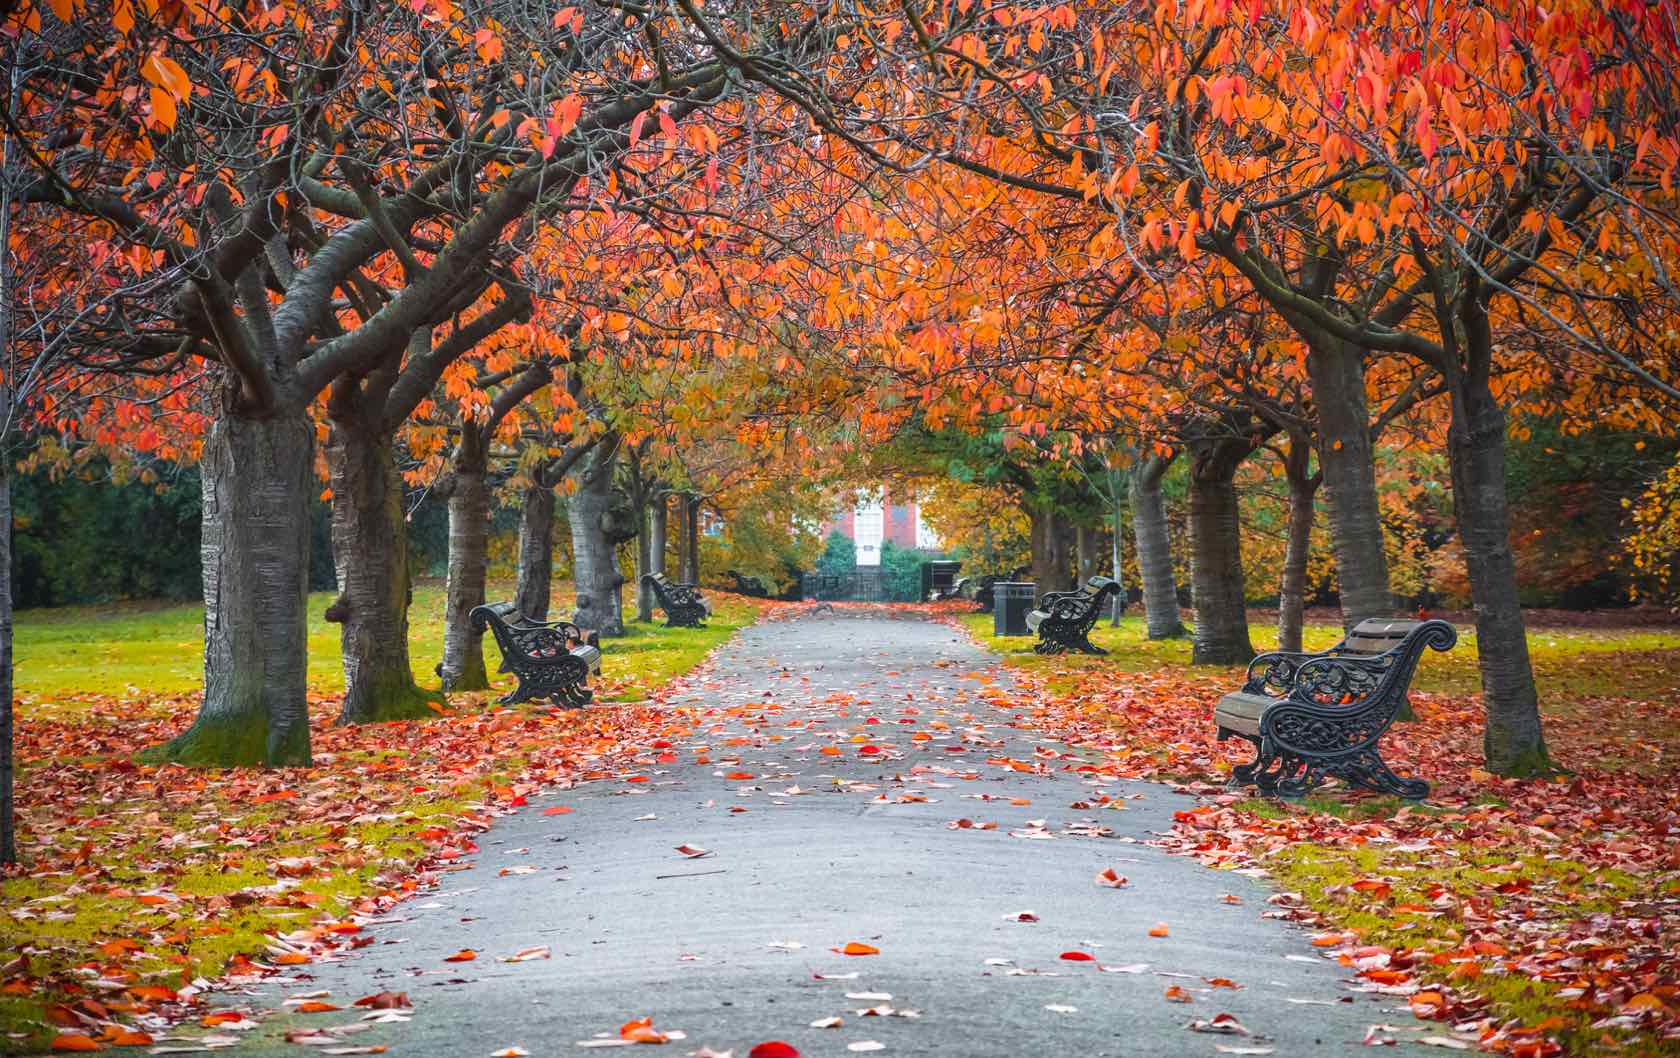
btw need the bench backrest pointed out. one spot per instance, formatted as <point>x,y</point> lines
<point>1377,635</point>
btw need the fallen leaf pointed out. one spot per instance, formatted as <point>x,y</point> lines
<point>557,810</point>
<point>1159,929</point>
<point>857,948</point>
<point>693,852</point>
<point>464,955</point>
<point>1078,956</point>
<point>1226,1024</point>
<point>385,1001</point>
<point>827,1023</point>
<point>1108,878</point>
<point>773,1049</point>
<point>1177,994</point>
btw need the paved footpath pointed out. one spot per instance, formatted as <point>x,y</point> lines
<point>854,845</point>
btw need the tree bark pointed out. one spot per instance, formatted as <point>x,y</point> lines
<point>1216,574</point>
<point>1117,545</point>
<point>1348,464</point>
<point>1085,542</point>
<point>536,553</point>
<point>689,545</point>
<point>1513,741</point>
<point>1292,583</point>
<point>1154,548</point>
<point>370,555</point>
<point>653,554</point>
<point>594,561</point>
<point>1051,558</point>
<point>258,477</point>
<point>8,830</point>
<point>469,561</point>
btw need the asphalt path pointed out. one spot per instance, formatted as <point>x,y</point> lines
<point>835,756</point>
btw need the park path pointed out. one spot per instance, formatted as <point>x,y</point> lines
<point>817,850</point>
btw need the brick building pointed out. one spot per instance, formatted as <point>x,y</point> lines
<point>876,519</point>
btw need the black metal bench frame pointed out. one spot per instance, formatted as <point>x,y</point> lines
<point>1329,713</point>
<point>1064,619</point>
<point>551,659</point>
<point>683,604</point>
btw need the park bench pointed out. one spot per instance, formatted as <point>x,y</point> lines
<point>957,590</point>
<point>550,659</point>
<point>683,604</point>
<point>1064,619</point>
<point>1314,716</point>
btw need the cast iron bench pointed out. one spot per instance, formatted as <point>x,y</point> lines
<point>1064,619</point>
<point>550,659</point>
<point>1314,716</point>
<point>683,604</point>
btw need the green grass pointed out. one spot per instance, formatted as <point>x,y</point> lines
<point>155,650</point>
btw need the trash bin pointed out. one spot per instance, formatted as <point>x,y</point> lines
<point>1010,602</point>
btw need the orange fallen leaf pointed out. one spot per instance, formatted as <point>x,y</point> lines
<point>641,1031</point>
<point>1111,879</point>
<point>315,1007</point>
<point>856,948</point>
<point>1177,994</point>
<point>557,810</point>
<point>291,958</point>
<point>464,955</point>
<point>74,1041</point>
<point>385,1001</point>
<point>1159,929</point>
<point>131,1038</point>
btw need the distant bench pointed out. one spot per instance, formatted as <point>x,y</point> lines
<point>550,659</point>
<point>683,604</point>
<point>1064,619</point>
<point>1314,716</point>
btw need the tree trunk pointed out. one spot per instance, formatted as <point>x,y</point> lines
<point>1513,742</point>
<point>653,552</point>
<point>1086,540</point>
<point>1154,548</point>
<point>258,477</point>
<point>594,561</point>
<point>370,555</point>
<point>1051,558</point>
<point>1216,574</point>
<point>8,832</point>
<point>1349,467</point>
<point>469,561</point>
<point>1292,584</point>
<point>690,542</point>
<point>1117,545</point>
<point>536,553</point>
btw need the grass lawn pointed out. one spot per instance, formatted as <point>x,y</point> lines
<point>1550,907</point>
<point>140,879</point>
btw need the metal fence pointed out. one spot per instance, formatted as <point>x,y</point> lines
<point>865,584</point>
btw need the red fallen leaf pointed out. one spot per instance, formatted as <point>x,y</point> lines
<point>856,948</point>
<point>1078,956</point>
<point>1221,982</point>
<point>869,751</point>
<point>1108,878</point>
<point>74,1041</point>
<point>773,1049</point>
<point>1373,886</point>
<point>557,810</point>
<point>62,1016</point>
<point>221,1017</point>
<point>740,775</point>
<point>641,1030</point>
<point>693,852</point>
<point>464,955</point>
<point>385,1001</point>
<point>1177,994</point>
<point>131,1038</point>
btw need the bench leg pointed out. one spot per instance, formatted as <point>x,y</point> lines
<point>1087,647</point>
<point>1368,770</point>
<point>1242,774</point>
<point>520,693</point>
